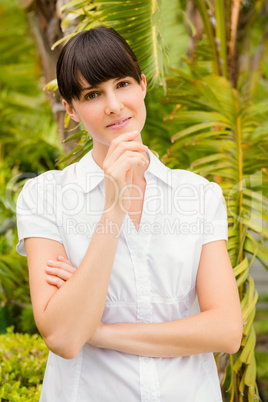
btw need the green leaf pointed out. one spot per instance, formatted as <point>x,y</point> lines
<point>133,20</point>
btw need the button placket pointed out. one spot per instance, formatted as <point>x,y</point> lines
<point>149,380</point>
<point>139,245</point>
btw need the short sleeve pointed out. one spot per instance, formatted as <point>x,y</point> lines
<point>215,214</point>
<point>35,213</point>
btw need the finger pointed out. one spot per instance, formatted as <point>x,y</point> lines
<point>61,258</point>
<point>52,280</point>
<point>127,161</point>
<point>122,147</point>
<point>58,272</point>
<point>126,138</point>
<point>122,169</point>
<point>133,158</point>
<point>62,265</point>
<point>123,137</point>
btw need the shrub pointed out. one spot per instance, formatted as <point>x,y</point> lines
<point>22,366</point>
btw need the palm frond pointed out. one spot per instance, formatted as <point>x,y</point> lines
<point>221,131</point>
<point>138,22</point>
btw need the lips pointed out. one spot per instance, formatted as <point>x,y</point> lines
<point>118,122</point>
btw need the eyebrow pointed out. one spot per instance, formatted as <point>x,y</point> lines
<point>88,88</point>
<point>98,85</point>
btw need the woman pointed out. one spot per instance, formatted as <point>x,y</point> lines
<point>119,246</point>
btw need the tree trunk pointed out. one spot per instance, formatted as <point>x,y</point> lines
<point>44,18</point>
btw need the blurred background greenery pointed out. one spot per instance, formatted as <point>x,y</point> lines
<point>206,65</point>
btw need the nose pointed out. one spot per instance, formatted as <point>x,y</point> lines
<point>113,103</point>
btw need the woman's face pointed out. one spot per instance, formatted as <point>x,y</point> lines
<point>110,109</point>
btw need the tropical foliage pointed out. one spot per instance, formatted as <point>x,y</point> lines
<point>223,136</point>
<point>28,145</point>
<point>232,131</point>
<point>138,21</point>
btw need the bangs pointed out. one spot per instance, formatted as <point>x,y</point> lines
<point>97,55</point>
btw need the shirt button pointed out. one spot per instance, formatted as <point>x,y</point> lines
<point>147,359</point>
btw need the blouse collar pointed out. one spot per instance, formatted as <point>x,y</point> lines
<point>89,174</point>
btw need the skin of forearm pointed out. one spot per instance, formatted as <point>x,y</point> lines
<point>208,331</point>
<point>75,310</point>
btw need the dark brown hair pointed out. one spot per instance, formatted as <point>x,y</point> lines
<point>97,55</point>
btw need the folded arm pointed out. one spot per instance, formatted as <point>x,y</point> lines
<point>217,328</point>
<point>62,315</point>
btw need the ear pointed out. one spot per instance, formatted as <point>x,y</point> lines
<point>143,84</point>
<point>70,110</point>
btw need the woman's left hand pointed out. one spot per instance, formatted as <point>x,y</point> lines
<point>59,272</point>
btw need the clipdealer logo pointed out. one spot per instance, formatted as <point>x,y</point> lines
<point>48,198</point>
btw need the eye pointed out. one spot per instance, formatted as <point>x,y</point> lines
<point>123,84</point>
<point>91,95</point>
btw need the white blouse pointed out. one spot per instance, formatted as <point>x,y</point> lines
<point>153,277</point>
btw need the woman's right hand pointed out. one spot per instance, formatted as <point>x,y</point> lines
<point>123,154</point>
